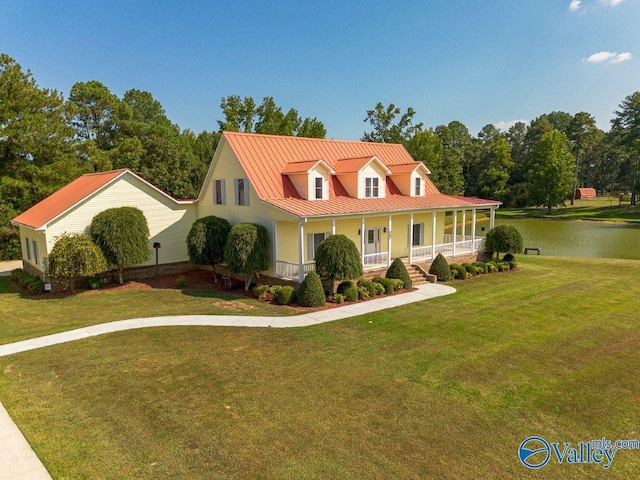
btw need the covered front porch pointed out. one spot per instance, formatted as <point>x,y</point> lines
<point>418,236</point>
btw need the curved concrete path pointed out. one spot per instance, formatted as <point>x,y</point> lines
<point>18,460</point>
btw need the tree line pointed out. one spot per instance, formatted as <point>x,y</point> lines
<point>47,140</point>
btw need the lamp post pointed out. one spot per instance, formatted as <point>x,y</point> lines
<point>156,247</point>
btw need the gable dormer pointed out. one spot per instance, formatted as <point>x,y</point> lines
<point>310,178</point>
<point>363,177</point>
<point>410,178</point>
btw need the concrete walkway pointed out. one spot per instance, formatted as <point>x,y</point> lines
<point>5,270</point>
<point>17,459</point>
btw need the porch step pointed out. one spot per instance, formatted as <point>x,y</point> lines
<point>415,274</point>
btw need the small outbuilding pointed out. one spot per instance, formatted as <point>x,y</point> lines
<point>585,193</point>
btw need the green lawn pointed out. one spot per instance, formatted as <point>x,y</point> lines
<point>446,388</point>
<point>23,316</point>
<point>601,208</point>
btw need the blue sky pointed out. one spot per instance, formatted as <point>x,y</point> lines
<point>477,62</point>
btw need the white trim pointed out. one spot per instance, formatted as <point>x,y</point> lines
<point>301,250</point>
<point>434,219</point>
<point>411,238</point>
<point>455,228</point>
<point>362,234</point>
<point>473,231</point>
<point>388,241</point>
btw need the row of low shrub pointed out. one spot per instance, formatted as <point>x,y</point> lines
<point>450,271</point>
<point>33,284</point>
<point>311,293</point>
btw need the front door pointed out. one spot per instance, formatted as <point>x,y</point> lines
<point>372,243</point>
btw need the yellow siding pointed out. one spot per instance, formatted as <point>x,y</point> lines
<point>41,241</point>
<point>288,242</point>
<point>168,221</point>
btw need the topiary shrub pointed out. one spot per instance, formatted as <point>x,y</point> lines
<point>369,285</point>
<point>351,294</point>
<point>338,298</point>
<point>503,238</point>
<point>482,267</point>
<point>397,283</point>
<point>387,283</point>
<point>470,268</point>
<point>492,267</point>
<point>274,289</point>
<point>344,285</point>
<point>458,271</point>
<point>440,268</point>
<point>504,266</point>
<point>96,282</point>
<point>311,293</point>
<point>398,271</point>
<point>181,282</point>
<point>285,295</point>
<point>363,292</point>
<point>338,258</point>
<point>509,258</point>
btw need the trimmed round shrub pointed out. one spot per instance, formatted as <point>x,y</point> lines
<point>470,268</point>
<point>338,258</point>
<point>344,285</point>
<point>458,271</point>
<point>274,289</point>
<point>363,292</point>
<point>311,293</point>
<point>399,271</point>
<point>440,268</point>
<point>181,282</point>
<point>338,298</point>
<point>503,238</point>
<point>397,283</point>
<point>387,283</point>
<point>492,267</point>
<point>509,258</point>
<point>369,285</point>
<point>351,294</point>
<point>285,295</point>
<point>482,267</point>
<point>504,266</point>
<point>261,291</point>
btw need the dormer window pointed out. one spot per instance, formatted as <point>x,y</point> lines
<point>372,187</point>
<point>318,187</point>
<point>418,186</point>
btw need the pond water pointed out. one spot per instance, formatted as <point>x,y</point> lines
<point>577,238</point>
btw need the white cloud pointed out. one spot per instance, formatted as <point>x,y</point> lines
<point>612,3</point>
<point>575,5</point>
<point>504,126</point>
<point>609,57</point>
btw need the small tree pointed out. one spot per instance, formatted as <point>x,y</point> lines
<point>399,271</point>
<point>505,239</point>
<point>311,293</point>
<point>123,236</point>
<point>440,268</point>
<point>75,255</point>
<point>337,258</point>
<point>247,250</point>
<point>206,241</point>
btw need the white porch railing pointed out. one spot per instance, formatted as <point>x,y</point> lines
<point>421,253</point>
<point>462,246</point>
<point>375,260</point>
<point>292,270</point>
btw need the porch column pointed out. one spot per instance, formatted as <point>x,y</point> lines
<point>388,241</point>
<point>410,238</point>
<point>274,226</point>
<point>333,226</point>
<point>433,235</point>
<point>464,225</point>
<point>362,234</point>
<point>301,251</point>
<point>492,222</point>
<point>455,228</point>
<point>473,232</point>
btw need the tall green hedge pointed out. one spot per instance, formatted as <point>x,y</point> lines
<point>440,268</point>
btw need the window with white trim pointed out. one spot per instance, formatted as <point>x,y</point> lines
<point>241,191</point>
<point>318,184</point>
<point>418,234</point>
<point>28,245</point>
<point>418,186</point>
<point>313,241</point>
<point>219,192</point>
<point>372,187</point>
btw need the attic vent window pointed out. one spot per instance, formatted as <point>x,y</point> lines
<point>371,187</point>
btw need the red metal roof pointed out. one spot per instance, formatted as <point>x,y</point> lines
<point>59,202</point>
<point>68,196</point>
<point>265,158</point>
